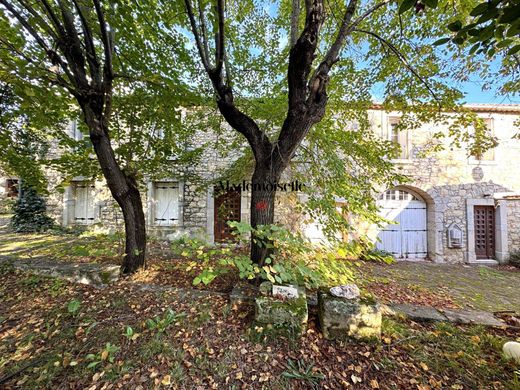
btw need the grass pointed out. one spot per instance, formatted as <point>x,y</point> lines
<point>62,246</point>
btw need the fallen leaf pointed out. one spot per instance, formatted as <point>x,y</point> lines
<point>104,355</point>
<point>166,380</point>
<point>355,379</point>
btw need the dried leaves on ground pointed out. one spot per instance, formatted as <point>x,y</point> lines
<point>124,336</point>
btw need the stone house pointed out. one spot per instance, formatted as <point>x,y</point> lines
<point>454,209</point>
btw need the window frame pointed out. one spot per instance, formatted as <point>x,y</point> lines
<point>472,159</point>
<point>406,150</point>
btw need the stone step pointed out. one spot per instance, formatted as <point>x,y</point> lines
<point>84,273</point>
<point>484,262</point>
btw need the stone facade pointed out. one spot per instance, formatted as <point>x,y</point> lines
<point>450,183</point>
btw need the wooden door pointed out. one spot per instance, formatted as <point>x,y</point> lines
<point>484,232</point>
<point>227,208</point>
<point>407,238</point>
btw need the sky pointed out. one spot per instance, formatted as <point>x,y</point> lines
<point>474,94</point>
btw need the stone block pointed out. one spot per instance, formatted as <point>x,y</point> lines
<point>344,319</point>
<point>285,314</point>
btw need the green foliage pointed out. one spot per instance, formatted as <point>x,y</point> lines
<point>7,205</point>
<point>514,259</point>
<point>32,280</point>
<point>161,322</point>
<point>493,26</point>
<point>30,212</point>
<point>294,259</point>
<point>108,354</point>
<point>57,287</point>
<point>73,307</point>
<point>378,255</point>
<point>301,371</point>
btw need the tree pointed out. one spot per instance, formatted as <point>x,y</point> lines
<point>30,211</point>
<point>490,26</point>
<point>247,58</point>
<point>70,47</point>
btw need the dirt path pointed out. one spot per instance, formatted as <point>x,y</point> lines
<point>482,288</point>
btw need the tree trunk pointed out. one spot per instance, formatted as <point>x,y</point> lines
<point>262,206</point>
<point>135,230</point>
<point>123,187</point>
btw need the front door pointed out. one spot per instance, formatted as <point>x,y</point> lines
<point>484,232</point>
<point>227,208</point>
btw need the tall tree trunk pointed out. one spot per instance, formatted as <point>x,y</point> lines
<point>123,187</point>
<point>135,229</point>
<point>262,206</point>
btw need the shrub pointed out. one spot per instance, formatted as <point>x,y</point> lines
<point>293,259</point>
<point>30,212</point>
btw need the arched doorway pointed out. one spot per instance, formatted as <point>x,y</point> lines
<point>407,238</point>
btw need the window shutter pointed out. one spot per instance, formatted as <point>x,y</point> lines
<point>84,208</point>
<point>167,204</point>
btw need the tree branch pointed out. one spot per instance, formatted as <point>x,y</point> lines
<point>302,55</point>
<point>107,42</point>
<point>71,45</point>
<point>366,14</point>
<point>332,55</point>
<point>196,34</point>
<point>38,17</point>
<point>403,59</point>
<point>51,54</point>
<point>89,44</point>
<point>295,19</point>
<point>219,38</point>
<point>204,32</point>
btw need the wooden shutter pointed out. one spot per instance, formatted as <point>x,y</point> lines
<point>84,207</point>
<point>166,204</point>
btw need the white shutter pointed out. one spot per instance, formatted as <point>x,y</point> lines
<point>84,207</point>
<point>166,204</point>
<point>80,208</point>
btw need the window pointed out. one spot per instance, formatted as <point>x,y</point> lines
<point>12,188</point>
<point>488,155</point>
<point>84,203</point>
<point>397,195</point>
<point>166,203</point>
<point>400,137</point>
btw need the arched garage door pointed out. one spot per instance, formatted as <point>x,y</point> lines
<point>407,239</point>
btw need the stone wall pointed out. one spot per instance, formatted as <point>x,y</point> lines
<point>448,178</point>
<point>445,180</point>
<point>513,228</point>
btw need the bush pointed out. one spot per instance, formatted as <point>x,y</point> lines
<point>514,259</point>
<point>30,212</point>
<point>294,260</point>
